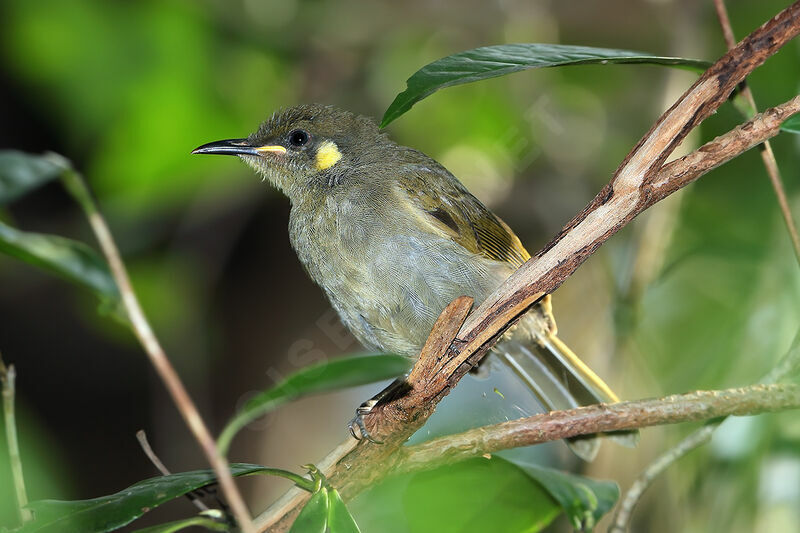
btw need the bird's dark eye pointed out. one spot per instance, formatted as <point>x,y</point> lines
<point>298,138</point>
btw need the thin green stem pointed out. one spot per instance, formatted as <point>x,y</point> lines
<point>75,184</point>
<point>300,481</point>
<point>627,504</point>
<point>7,377</point>
<point>767,155</point>
<point>787,367</point>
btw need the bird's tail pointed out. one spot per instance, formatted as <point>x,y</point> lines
<point>561,381</point>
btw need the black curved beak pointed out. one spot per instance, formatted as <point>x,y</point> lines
<point>227,147</point>
<point>237,147</point>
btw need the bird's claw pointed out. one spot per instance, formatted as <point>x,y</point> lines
<point>357,427</point>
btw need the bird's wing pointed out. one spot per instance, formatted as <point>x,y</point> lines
<point>448,209</point>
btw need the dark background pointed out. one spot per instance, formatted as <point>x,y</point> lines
<point>699,293</point>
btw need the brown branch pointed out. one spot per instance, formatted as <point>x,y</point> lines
<point>601,418</point>
<point>141,436</point>
<point>767,155</point>
<point>75,184</point>
<point>683,171</point>
<point>636,185</point>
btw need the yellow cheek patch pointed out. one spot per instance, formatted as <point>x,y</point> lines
<point>327,155</point>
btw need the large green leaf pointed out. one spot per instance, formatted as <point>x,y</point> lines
<point>339,518</point>
<point>313,518</point>
<point>484,495</point>
<point>20,173</point>
<point>584,500</point>
<point>492,61</point>
<point>69,259</point>
<point>325,511</point>
<point>473,496</point>
<point>322,377</point>
<point>108,513</point>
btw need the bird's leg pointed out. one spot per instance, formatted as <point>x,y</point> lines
<point>357,427</point>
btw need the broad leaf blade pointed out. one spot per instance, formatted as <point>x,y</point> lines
<point>473,496</point>
<point>492,61</point>
<point>323,377</point>
<point>20,173</point>
<point>339,518</point>
<point>313,518</point>
<point>108,513</point>
<point>69,259</point>
<point>584,500</point>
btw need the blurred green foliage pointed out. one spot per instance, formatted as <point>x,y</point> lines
<point>137,86</point>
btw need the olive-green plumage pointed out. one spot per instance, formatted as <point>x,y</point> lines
<point>392,237</point>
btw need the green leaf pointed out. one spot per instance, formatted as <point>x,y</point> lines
<point>108,513</point>
<point>339,518</point>
<point>492,61</point>
<point>69,259</point>
<point>313,518</point>
<point>584,500</point>
<point>473,496</point>
<point>72,260</point>
<point>170,527</point>
<point>791,124</point>
<point>321,377</point>
<point>20,173</point>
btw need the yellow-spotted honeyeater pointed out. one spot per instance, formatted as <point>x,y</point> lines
<point>392,237</point>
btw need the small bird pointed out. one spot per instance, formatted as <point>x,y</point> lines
<point>392,237</point>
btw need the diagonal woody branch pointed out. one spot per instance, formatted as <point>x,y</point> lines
<point>628,193</point>
<point>641,180</point>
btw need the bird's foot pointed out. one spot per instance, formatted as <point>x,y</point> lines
<point>357,427</point>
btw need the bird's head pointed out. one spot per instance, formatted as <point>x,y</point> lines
<point>306,146</point>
